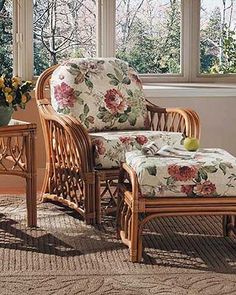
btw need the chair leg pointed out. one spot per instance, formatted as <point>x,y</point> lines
<point>120,205</point>
<point>128,216</point>
<point>140,247</point>
<point>45,186</point>
<point>98,200</point>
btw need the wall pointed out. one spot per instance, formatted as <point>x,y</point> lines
<point>217,115</point>
<point>218,122</point>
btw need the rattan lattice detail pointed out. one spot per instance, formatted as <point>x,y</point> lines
<point>12,154</point>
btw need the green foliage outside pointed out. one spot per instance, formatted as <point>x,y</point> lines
<point>229,50</point>
<point>6,38</point>
<point>157,52</point>
<point>148,49</point>
<point>217,46</point>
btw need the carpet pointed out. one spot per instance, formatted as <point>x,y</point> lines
<point>64,256</point>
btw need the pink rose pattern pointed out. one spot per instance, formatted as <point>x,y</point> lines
<point>133,141</point>
<point>141,139</point>
<point>115,102</point>
<point>84,70</point>
<point>201,186</point>
<point>206,188</point>
<point>125,139</point>
<point>115,106</point>
<point>187,189</point>
<point>64,95</point>
<point>192,180</point>
<point>99,147</point>
<point>182,173</point>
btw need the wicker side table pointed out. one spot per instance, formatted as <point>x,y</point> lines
<point>17,157</point>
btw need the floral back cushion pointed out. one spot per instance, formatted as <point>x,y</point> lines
<point>104,94</point>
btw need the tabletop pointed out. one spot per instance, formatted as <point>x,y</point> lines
<point>16,125</point>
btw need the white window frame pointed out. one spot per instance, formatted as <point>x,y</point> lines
<point>23,39</point>
<point>106,11</point>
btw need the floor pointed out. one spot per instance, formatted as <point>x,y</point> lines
<point>65,256</point>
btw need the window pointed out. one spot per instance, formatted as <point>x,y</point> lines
<point>6,51</point>
<point>62,29</point>
<point>148,35</point>
<point>218,37</point>
<point>165,40</point>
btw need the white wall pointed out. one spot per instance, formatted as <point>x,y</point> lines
<point>217,115</point>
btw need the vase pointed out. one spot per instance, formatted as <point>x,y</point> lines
<point>5,115</point>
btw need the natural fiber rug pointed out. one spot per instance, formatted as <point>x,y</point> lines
<point>64,256</point>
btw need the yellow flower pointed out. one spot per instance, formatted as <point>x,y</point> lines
<point>16,79</point>
<point>8,90</point>
<point>16,82</point>
<point>9,98</point>
<point>24,98</point>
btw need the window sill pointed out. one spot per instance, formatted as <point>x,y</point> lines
<point>159,90</point>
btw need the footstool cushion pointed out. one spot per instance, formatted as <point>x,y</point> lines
<point>210,173</point>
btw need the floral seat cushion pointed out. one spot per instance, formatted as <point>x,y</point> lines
<point>210,173</point>
<point>104,94</point>
<point>110,147</point>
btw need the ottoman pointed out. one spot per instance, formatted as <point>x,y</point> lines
<point>156,186</point>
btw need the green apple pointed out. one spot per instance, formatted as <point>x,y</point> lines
<point>191,144</point>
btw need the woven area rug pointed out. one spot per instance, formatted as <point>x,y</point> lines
<point>64,256</point>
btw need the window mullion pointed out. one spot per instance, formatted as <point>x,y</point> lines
<point>99,28</point>
<point>195,40</point>
<point>190,38</point>
<point>23,39</point>
<point>107,28</point>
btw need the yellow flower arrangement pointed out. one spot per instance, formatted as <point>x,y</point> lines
<point>14,92</point>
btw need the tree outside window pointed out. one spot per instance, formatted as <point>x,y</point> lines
<point>63,29</point>
<point>148,35</point>
<point>6,54</point>
<point>218,37</point>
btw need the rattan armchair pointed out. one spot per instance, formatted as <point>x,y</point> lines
<point>72,176</point>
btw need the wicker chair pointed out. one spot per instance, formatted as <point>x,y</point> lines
<point>72,175</point>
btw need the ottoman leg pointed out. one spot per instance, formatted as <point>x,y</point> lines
<point>134,238</point>
<point>229,226</point>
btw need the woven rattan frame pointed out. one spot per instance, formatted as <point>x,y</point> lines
<point>134,210</point>
<point>18,158</point>
<point>71,177</point>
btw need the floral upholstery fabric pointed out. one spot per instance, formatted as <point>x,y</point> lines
<point>104,94</point>
<point>110,147</point>
<point>210,173</point>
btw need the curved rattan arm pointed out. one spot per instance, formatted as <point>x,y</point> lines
<point>82,142</point>
<point>79,136</point>
<point>174,119</point>
<point>70,177</point>
<point>69,157</point>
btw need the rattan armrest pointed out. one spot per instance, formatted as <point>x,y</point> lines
<point>174,119</point>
